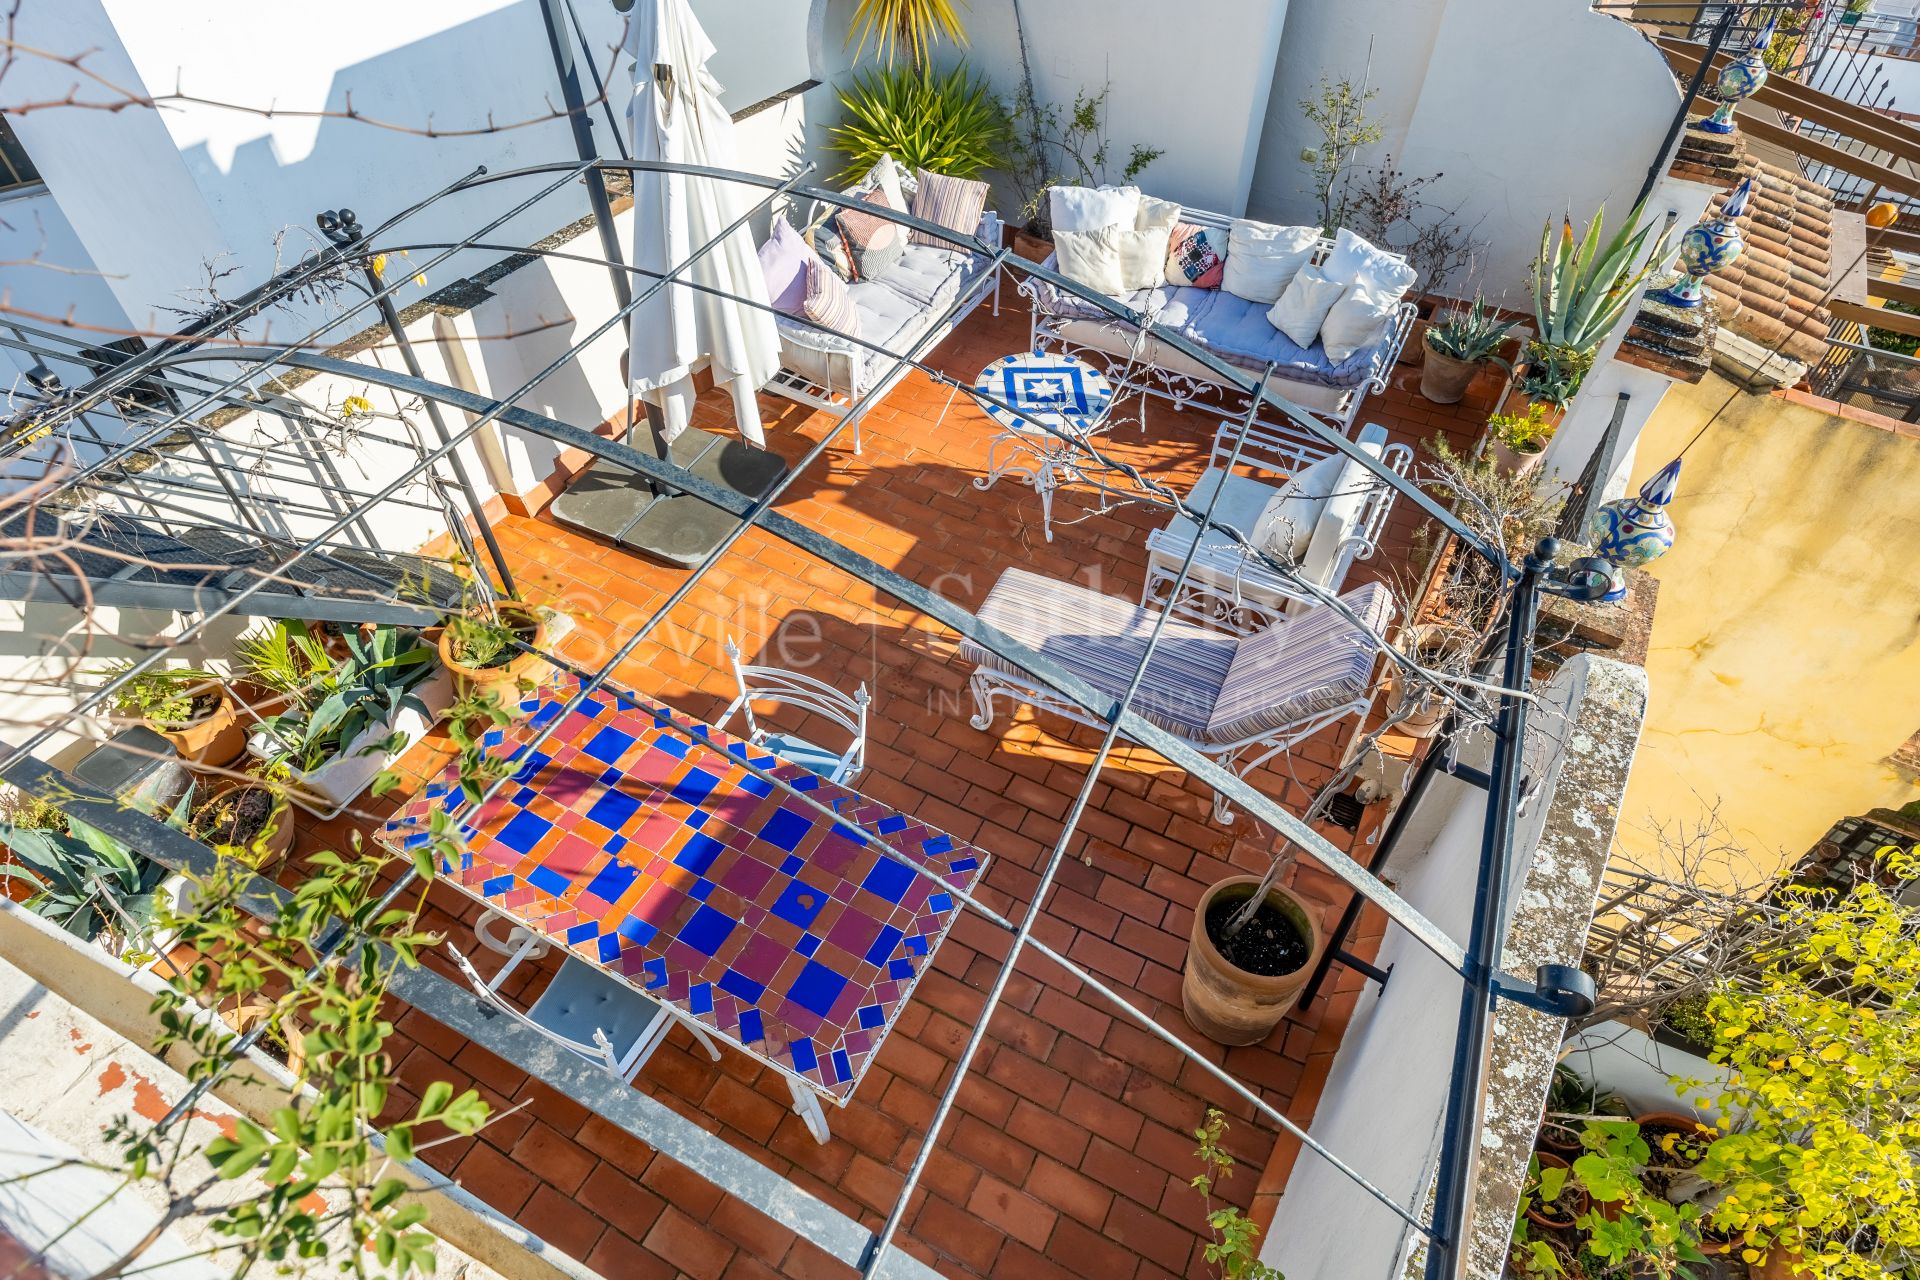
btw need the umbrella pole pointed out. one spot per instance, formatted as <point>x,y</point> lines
<point>582,124</point>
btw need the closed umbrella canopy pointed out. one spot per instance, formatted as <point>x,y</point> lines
<point>676,116</point>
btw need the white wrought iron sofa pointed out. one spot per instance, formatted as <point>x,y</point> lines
<point>1243,699</point>
<point>1226,326</point>
<point>1336,497</point>
<point>898,312</point>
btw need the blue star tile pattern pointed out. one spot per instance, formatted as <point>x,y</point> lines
<point>639,839</point>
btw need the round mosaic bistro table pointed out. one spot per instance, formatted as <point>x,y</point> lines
<point>1026,393</point>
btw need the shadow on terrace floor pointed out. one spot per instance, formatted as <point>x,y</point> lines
<point>1069,1153</point>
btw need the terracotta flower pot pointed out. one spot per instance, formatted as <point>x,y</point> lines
<point>1031,247</point>
<point>507,680</point>
<point>1413,352</point>
<point>1512,461</point>
<point>1543,1216</point>
<point>1226,1003</point>
<point>1444,379</point>
<point>215,740</point>
<point>258,1010</point>
<point>1516,403</point>
<point>263,851</point>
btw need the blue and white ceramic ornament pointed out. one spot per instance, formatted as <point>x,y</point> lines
<point>1739,79</point>
<point>1629,532</point>
<point>1709,245</point>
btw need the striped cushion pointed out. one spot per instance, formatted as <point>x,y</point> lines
<point>954,203</point>
<point>829,302</point>
<point>1299,668</point>
<point>1100,639</point>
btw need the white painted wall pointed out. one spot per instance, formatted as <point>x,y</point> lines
<point>1526,106</point>
<point>1386,1095</point>
<point>48,281</point>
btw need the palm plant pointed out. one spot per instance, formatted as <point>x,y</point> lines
<point>370,687</point>
<point>942,122</point>
<point>1580,288</point>
<point>285,657</point>
<point>912,25</point>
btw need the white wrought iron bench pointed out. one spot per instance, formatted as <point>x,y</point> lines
<point>1342,502</point>
<point>1225,326</point>
<point>1243,699</point>
<point>898,312</point>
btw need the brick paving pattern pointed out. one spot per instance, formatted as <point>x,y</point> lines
<point>1069,1151</point>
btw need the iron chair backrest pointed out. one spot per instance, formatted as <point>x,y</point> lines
<point>776,686</point>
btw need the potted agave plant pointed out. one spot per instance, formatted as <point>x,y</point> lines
<point>493,648</point>
<point>1456,348</point>
<point>1252,946</point>
<point>1580,290</point>
<point>84,880</point>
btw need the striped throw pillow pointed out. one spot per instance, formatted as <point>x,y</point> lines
<point>829,302</point>
<point>954,203</point>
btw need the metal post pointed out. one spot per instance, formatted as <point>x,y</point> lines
<point>1460,1141</point>
<point>344,229</point>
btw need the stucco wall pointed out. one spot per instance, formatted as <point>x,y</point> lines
<point>1526,107</point>
<point>1786,653</point>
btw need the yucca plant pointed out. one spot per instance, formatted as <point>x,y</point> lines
<point>944,123</point>
<point>1580,288</point>
<point>912,25</point>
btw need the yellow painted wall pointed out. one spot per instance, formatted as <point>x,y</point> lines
<point>1785,664</point>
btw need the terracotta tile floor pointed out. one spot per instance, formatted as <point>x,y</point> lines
<point>1069,1152</point>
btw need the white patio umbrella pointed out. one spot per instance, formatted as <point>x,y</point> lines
<point>676,116</point>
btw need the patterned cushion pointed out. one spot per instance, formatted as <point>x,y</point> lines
<point>1100,639</point>
<point>828,300</point>
<point>1196,256</point>
<point>873,243</point>
<point>954,203</point>
<point>1297,669</point>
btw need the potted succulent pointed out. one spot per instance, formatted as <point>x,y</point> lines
<point>1518,440</point>
<point>248,820</point>
<point>187,706</point>
<point>1457,346</point>
<point>1580,291</point>
<point>82,879</point>
<point>1247,959</point>
<point>344,725</point>
<point>486,648</point>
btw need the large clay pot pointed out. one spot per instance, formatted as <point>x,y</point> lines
<point>1512,461</point>
<point>1444,379</point>
<point>215,740</point>
<point>261,854</point>
<point>1226,1003</point>
<point>507,680</point>
<point>1542,1216</point>
<point>1031,247</point>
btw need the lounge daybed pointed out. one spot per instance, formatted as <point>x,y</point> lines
<point>1232,328</point>
<point>899,313</point>
<point>1243,699</point>
<point>1328,514</point>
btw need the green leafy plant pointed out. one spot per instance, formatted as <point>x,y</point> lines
<point>1234,1251</point>
<point>371,686</point>
<point>86,881</point>
<point>285,656</point>
<point>1339,111</point>
<point>1472,334</point>
<point>912,25</point>
<point>1548,377</point>
<point>944,123</point>
<point>327,1156</point>
<point>170,697</point>
<point>1900,344</point>
<point>1581,288</point>
<point>1637,1225</point>
<point>1046,148</point>
<point>480,639</point>
<point>1523,432</point>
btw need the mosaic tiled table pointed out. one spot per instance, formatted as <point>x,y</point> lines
<point>1025,389</point>
<point>667,863</point>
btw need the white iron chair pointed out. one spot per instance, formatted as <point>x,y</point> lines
<point>584,1009</point>
<point>1341,502</point>
<point>1240,699</point>
<point>774,686</point>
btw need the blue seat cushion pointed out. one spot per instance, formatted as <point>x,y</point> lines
<point>803,753</point>
<point>582,998</point>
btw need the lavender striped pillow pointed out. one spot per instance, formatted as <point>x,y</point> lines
<point>829,302</point>
<point>954,203</point>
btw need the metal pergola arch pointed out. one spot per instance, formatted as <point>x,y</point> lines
<point>179,353</point>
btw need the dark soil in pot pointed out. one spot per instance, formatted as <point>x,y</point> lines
<point>239,817</point>
<point>1270,945</point>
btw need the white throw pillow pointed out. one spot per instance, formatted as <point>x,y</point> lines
<point>1092,258</point>
<point>1356,321</point>
<point>1304,305</point>
<point>885,176</point>
<point>1354,261</point>
<point>1143,250</point>
<point>1091,208</point>
<point>1262,259</point>
<point>1285,527</point>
